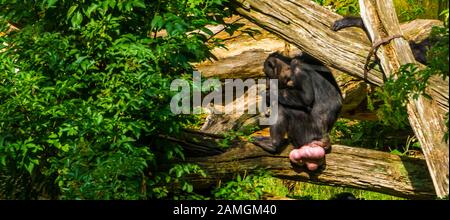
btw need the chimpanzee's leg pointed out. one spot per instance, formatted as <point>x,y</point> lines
<point>277,134</point>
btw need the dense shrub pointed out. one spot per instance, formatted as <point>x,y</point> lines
<point>84,92</point>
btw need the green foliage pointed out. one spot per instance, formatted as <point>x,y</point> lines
<point>309,191</point>
<point>438,55</point>
<point>411,142</point>
<point>443,198</point>
<point>374,135</point>
<point>411,10</point>
<point>246,188</point>
<point>232,136</point>
<point>445,16</point>
<point>342,7</point>
<point>261,185</point>
<point>409,82</point>
<point>395,94</point>
<point>407,10</point>
<point>84,92</point>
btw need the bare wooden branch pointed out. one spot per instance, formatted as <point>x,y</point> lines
<point>381,21</point>
<point>244,55</point>
<point>345,166</point>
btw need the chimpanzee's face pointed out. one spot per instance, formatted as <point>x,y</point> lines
<point>275,68</point>
<point>285,76</point>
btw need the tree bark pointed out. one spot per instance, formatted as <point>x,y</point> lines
<point>345,166</point>
<point>244,55</point>
<point>381,21</point>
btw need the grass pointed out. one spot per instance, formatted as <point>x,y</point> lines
<point>308,191</point>
<point>256,187</point>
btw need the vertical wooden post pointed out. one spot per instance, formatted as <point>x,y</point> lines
<point>381,21</point>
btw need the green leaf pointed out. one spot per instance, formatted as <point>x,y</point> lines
<point>53,136</point>
<point>90,9</point>
<point>157,22</point>
<point>71,10</point>
<point>29,167</point>
<point>396,152</point>
<point>77,19</point>
<point>139,4</point>
<point>179,173</point>
<point>207,31</point>
<point>50,3</point>
<point>65,147</point>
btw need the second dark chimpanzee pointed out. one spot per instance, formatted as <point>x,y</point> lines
<point>419,50</point>
<point>309,103</point>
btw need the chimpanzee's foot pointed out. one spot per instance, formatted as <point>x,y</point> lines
<point>312,155</point>
<point>324,143</point>
<point>266,144</point>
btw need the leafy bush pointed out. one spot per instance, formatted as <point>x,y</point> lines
<point>374,135</point>
<point>409,82</point>
<point>84,94</point>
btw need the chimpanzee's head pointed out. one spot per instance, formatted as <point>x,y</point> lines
<point>278,67</point>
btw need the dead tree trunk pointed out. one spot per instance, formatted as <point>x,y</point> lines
<point>345,166</point>
<point>381,21</point>
<point>244,55</point>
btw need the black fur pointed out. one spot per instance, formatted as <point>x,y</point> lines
<point>308,108</point>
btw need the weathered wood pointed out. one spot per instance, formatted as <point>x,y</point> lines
<point>345,166</point>
<point>244,55</point>
<point>308,26</point>
<point>381,21</point>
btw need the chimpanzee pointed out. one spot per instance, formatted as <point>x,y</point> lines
<point>309,101</point>
<point>418,49</point>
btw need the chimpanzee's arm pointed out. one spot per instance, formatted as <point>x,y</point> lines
<point>295,99</point>
<point>302,95</point>
<point>348,22</point>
